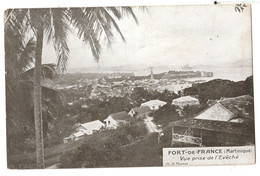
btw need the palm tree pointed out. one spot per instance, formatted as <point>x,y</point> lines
<point>19,54</point>
<point>91,25</point>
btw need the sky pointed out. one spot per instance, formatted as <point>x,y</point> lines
<point>168,36</point>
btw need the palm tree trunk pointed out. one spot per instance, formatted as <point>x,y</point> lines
<point>37,100</point>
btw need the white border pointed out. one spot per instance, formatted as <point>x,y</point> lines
<point>198,170</point>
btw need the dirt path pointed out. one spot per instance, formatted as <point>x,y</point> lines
<point>150,125</point>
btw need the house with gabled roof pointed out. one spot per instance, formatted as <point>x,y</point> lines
<point>85,129</point>
<point>185,101</point>
<point>118,119</point>
<point>154,104</point>
<point>228,121</point>
<point>140,112</point>
<point>232,109</point>
<point>90,127</point>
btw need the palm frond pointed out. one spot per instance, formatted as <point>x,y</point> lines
<point>59,32</point>
<point>112,21</point>
<point>15,21</point>
<point>93,25</point>
<point>94,45</point>
<point>26,57</point>
<point>128,11</point>
<point>36,18</point>
<point>103,26</point>
<point>115,12</point>
<point>82,19</point>
<point>96,24</point>
<point>19,52</point>
<point>48,71</point>
<point>89,29</point>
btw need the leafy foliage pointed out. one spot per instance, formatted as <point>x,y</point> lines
<point>92,25</point>
<point>21,26</point>
<point>141,95</point>
<point>88,155</point>
<point>249,86</point>
<point>192,111</point>
<point>166,114</point>
<point>169,113</point>
<point>218,88</point>
<point>103,153</point>
<point>240,7</point>
<point>19,59</point>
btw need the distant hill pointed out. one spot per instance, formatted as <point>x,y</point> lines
<point>242,63</point>
<point>238,63</point>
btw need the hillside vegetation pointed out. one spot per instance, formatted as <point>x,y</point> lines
<point>218,88</point>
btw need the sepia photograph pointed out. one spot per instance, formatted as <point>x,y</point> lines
<point>129,86</point>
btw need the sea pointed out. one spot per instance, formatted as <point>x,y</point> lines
<point>228,73</point>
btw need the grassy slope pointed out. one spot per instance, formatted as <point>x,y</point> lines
<point>143,152</point>
<point>52,155</point>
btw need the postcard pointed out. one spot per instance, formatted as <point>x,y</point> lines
<point>95,87</point>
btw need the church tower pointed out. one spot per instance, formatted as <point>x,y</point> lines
<point>151,78</point>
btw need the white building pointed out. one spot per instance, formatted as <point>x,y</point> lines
<point>184,101</point>
<point>154,104</point>
<point>91,127</point>
<point>85,129</point>
<point>74,137</point>
<point>117,119</point>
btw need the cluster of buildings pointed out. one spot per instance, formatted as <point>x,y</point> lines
<point>115,120</point>
<point>173,81</point>
<point>105,87</point>
<point>117,89</point>
<point>227,121</point>
<point>173,85</point>
<point>122,88</point>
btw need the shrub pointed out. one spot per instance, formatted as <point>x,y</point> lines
<point>92,155</point>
